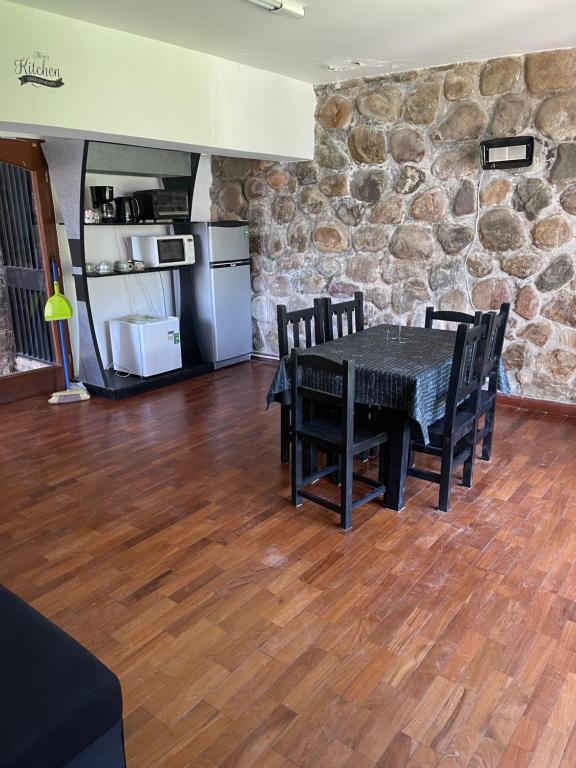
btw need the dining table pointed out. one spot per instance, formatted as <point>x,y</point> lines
<point>402,372</point>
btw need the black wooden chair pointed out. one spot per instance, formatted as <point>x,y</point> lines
<point>487,404</point>
<point>450,317</point>
<point>328,422</point>
<point>313,320</point>
<point>453,437</point>
<point>348,314</point>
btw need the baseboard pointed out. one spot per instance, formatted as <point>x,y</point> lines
<point>532,404</point>
<point>260,358</point>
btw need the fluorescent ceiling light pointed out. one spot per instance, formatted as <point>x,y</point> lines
<point>288,8</point>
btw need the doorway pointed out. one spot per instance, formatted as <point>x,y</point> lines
<point>30,355</point>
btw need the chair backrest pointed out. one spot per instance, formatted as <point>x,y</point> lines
<point>313,376</point>
<point>313,319</point>
<point>349,315</point>
<point>450,317</point>
<point>495,344</point>
<point>466,375</point>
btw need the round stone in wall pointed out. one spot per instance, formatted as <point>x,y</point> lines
<point>231,198</point>
<point>380,103</point>
<point>235,167</point>
<point>330,266</point>
<point>408,294</point>
<point>556,118</point>
<point>368,186</point>
<point>491,293</point>
<point>501,230</point>
<point>500,75</point>
<point>568,199</point>
<point>313,201</point>
<point>532,196</point>
<point>455,163</point>
<point>495,192</point>
<point>443,275</point>
<point>379,296</point>
<point>335,112</point>
<point>559,272</point>
<point>561,363</point>
<point>298,235</point>
<point>527,302</point>
<point>412,241</point>
<point>367,145</point>
<point>331,237</point>
<point>459,82</point>
<point>350,212</point>
<point>511,115</point>
<point>370,237</point>
<point>407,145</point>
<point>260,165</point>
<point>455,300</point>
<point>521,265</point>
<point>562,309</point>
<point>564,168</point>
<point>335,185</point>
<point>306,172</point>
<point>277,179</point>
<point>552,232</point>
<point>254,188</point>
<point>551,71</point>
<point>429,205</point>
<point>466,120</point>
<point>283,209</point>
<point>329,153</point>
<point>465,199</point>
<point>311,282</point>
<point>538,333</point>
<point>388,211</point>
<point>515,356</point>
<point>422,102</point>
<point>480,264</point>
<point>454,238</point>
<point>409,179</point>
<point>363,269</point>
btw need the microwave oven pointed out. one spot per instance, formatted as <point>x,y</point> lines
<point>163,250</point>
<point>162,204</point>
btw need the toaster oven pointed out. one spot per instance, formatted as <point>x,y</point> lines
<point>163,204</point>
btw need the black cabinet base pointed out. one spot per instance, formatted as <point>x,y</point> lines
<point>120,387</point>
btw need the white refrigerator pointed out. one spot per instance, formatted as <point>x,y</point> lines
<point>144,345</point>
<point>222,291</point>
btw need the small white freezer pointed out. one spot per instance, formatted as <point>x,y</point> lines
<point>144,345</point>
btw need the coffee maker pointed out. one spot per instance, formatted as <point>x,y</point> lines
<point>103,201</point>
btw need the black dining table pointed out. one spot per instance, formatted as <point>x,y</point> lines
<point>403,371</point>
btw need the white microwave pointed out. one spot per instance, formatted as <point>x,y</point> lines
<point>163,250</point>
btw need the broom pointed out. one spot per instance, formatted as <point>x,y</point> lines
<point>58,309</point>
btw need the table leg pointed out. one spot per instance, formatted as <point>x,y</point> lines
<point>399,450</point>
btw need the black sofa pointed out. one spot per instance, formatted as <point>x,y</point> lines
<point>59,706</point>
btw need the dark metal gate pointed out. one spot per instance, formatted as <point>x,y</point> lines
<point>20,251</point>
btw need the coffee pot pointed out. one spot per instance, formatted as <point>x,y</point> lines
<point>127,210</point>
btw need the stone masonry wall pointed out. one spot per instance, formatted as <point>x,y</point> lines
<point>388,206</point>
<point>7,359</point>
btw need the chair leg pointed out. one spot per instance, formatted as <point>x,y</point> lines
<point>383,461</point>
<point>487,442</point>
<point>446,476</point>
<point>468,469</point>
<point>346,464</point>
<point>284,434</point>
<point>296,471</point>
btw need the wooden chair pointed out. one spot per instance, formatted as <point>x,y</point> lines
<point>450,317</point>
<point>313,319</point>
<point>350,311</point>
<point>328,422</point>
<point>453,437</point>
<point>487,404</point>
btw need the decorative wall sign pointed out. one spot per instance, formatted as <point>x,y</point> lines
<point>36,70</point>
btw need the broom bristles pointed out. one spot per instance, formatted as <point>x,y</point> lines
<point>68,396</point>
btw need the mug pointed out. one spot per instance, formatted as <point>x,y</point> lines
<point>89,268</point>
<point>138,266</point>
<point>103,268</point>
<point>123,266</point>
<point>91,217</point>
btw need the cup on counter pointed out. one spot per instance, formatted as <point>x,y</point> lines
<point>91,216</point>
<point>104,268</point>
<point>123,266</point>
<point>138,266</point>
<point>90,268</point>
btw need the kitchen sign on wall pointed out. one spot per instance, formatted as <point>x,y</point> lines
<point>35,69</point>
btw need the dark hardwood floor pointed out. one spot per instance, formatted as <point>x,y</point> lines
<point>158,531</point>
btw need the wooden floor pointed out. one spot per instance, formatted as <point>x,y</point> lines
<point>158,531</point>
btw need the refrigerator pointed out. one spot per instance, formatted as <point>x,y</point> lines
<point>144,345</point>
<point>223,291</point>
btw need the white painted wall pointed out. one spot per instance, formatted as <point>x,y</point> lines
<point>121,87</point>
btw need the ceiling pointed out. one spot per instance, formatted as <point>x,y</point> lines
<point>381,35</point>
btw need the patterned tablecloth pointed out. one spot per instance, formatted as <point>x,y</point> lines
<point>410,375</point>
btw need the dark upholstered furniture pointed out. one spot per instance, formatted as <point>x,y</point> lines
<point>59,706</point>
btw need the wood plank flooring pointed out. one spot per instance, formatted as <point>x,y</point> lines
<point>158,532</point>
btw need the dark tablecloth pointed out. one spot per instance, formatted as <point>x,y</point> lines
<point>411,376</point>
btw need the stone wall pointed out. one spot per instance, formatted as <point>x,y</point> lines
<point>7,359</point>
<point>389,206</point>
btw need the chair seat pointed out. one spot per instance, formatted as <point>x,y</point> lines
<point>56,698</point>
<point>326,429</point>
<point>463,420</point>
